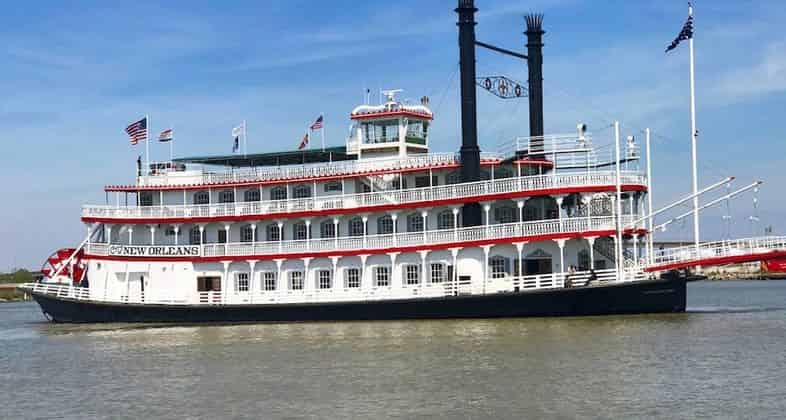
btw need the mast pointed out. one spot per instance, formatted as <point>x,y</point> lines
<point>693,134</point>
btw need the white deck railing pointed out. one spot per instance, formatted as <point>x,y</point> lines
<point>305,171</point>
<point>352,201</point>
<point>460,236</point>
<point>449,287</point>
<point>720,249</point>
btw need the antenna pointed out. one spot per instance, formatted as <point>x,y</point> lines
<point>390,94</point>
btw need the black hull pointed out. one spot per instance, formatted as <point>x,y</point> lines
<point>655,296</point>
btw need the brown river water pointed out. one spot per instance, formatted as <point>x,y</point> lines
<point>724,358</point>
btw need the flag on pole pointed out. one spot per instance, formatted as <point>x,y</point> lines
<point>236,133</point>
<point>137,131</point>
<point>166,135</point>
<point>303,143</point>
<point>317,124</point>
<point>685,34</point>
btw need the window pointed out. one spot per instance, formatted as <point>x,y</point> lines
<point>296,280</point>
<point>273,233</point>
<point>505,214</point>
<point>278,193</point>
<point>353,277</point>
<point>412,274</point>
<point>269,280</point>
<point>380,132</point>
<point>500,267</point>
<point>301,191</point>
<point>251,195</point>
<point>437,273</point>
<point>382,276</point>
<point>356,226</point>
<point>201,197</point>
<point>333,186</point>
<point>445,220</point>
<point>145,199</point>
<point>194,236</point>
<point>226,196</point>
<point>170,231</point>
<point>324,280</point>
<point>222,236</point>
<point>421,181</point>
<point>246,233</point>
<point>414,223</point>
<point>327,229</point>
<point>453,178</point>
<point>241,282</point>
<point>300,231</point>
<point>385,225</point>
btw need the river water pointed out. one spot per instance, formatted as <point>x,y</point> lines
<point>724,358</point>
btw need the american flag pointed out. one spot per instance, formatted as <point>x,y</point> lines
<point>166,135</point>
<point>685,34</point>
<point>317,124</point>
<point>303,143</point>
<point>137,131</point>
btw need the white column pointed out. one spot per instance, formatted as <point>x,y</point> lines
<point>520,205</point>
<point>423,268</point>
<point>201,234</point>
<point>177,234</point>
<point>152,235</point>
<point>561,244</point>
<point>486,277</point>
<point>335,231</point>
<point>252,280</point>
<point>454,253</point>
<point>226,244</point>
<point>283,284</point>
<point>520,255</point>
<point>108,238</point>
<point>591,242</point>
<point>306,275</point>
<point>308,233</point>
<point>394,217</point>
<point>334,260</point>
<point>487,209</point>
<point>395,275</point>
<point>253,233</point>
<point>280,225</point>
<point>636,248</point>
<point>89,233</point>
<point>364,283</point>
<point>225,282</point>
<point>365,230</point>
<point>130,235</point>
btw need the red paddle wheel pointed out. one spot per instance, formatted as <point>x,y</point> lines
<point>61,263</point>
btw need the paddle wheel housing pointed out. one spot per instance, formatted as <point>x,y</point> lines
<point>65,265</point>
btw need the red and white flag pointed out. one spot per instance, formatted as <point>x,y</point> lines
<point>303,143</point>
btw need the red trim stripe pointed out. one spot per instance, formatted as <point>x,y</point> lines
<point>386,207</point>
<point>354,252</point>
<point>135,188</point>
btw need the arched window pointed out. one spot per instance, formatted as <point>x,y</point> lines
<point>246,233</point>
<point>278,193</point>
<point>385,225</point>
<point>251,195</point>
<point>505,214</point>
<point>193,236</point>
<point>273,233</point>
<point>445,220</point>
<point>327,229</point>
<point>355,225</point>
<point>301,191</point>
<point>201,197</point>
<point>414,223</point>
<point>226,196</point>
<point>299,231</point>
<point>500,266</point>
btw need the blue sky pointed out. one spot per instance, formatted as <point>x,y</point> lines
<point>73,74</point>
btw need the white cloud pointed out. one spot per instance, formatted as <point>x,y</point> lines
<point>767,76</point>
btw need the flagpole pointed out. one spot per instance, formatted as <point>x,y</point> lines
<point>323,130</point>
<point>245,142</point>
<point>693,141</point>
<point>147,144</point>
<point>171,146</point>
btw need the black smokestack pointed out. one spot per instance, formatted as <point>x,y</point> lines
<point>470,152</point>
<point>535,63</point>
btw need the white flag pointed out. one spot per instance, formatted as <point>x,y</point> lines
<point>237,131</point>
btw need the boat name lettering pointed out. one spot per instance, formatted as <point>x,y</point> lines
<point>155,251</point>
